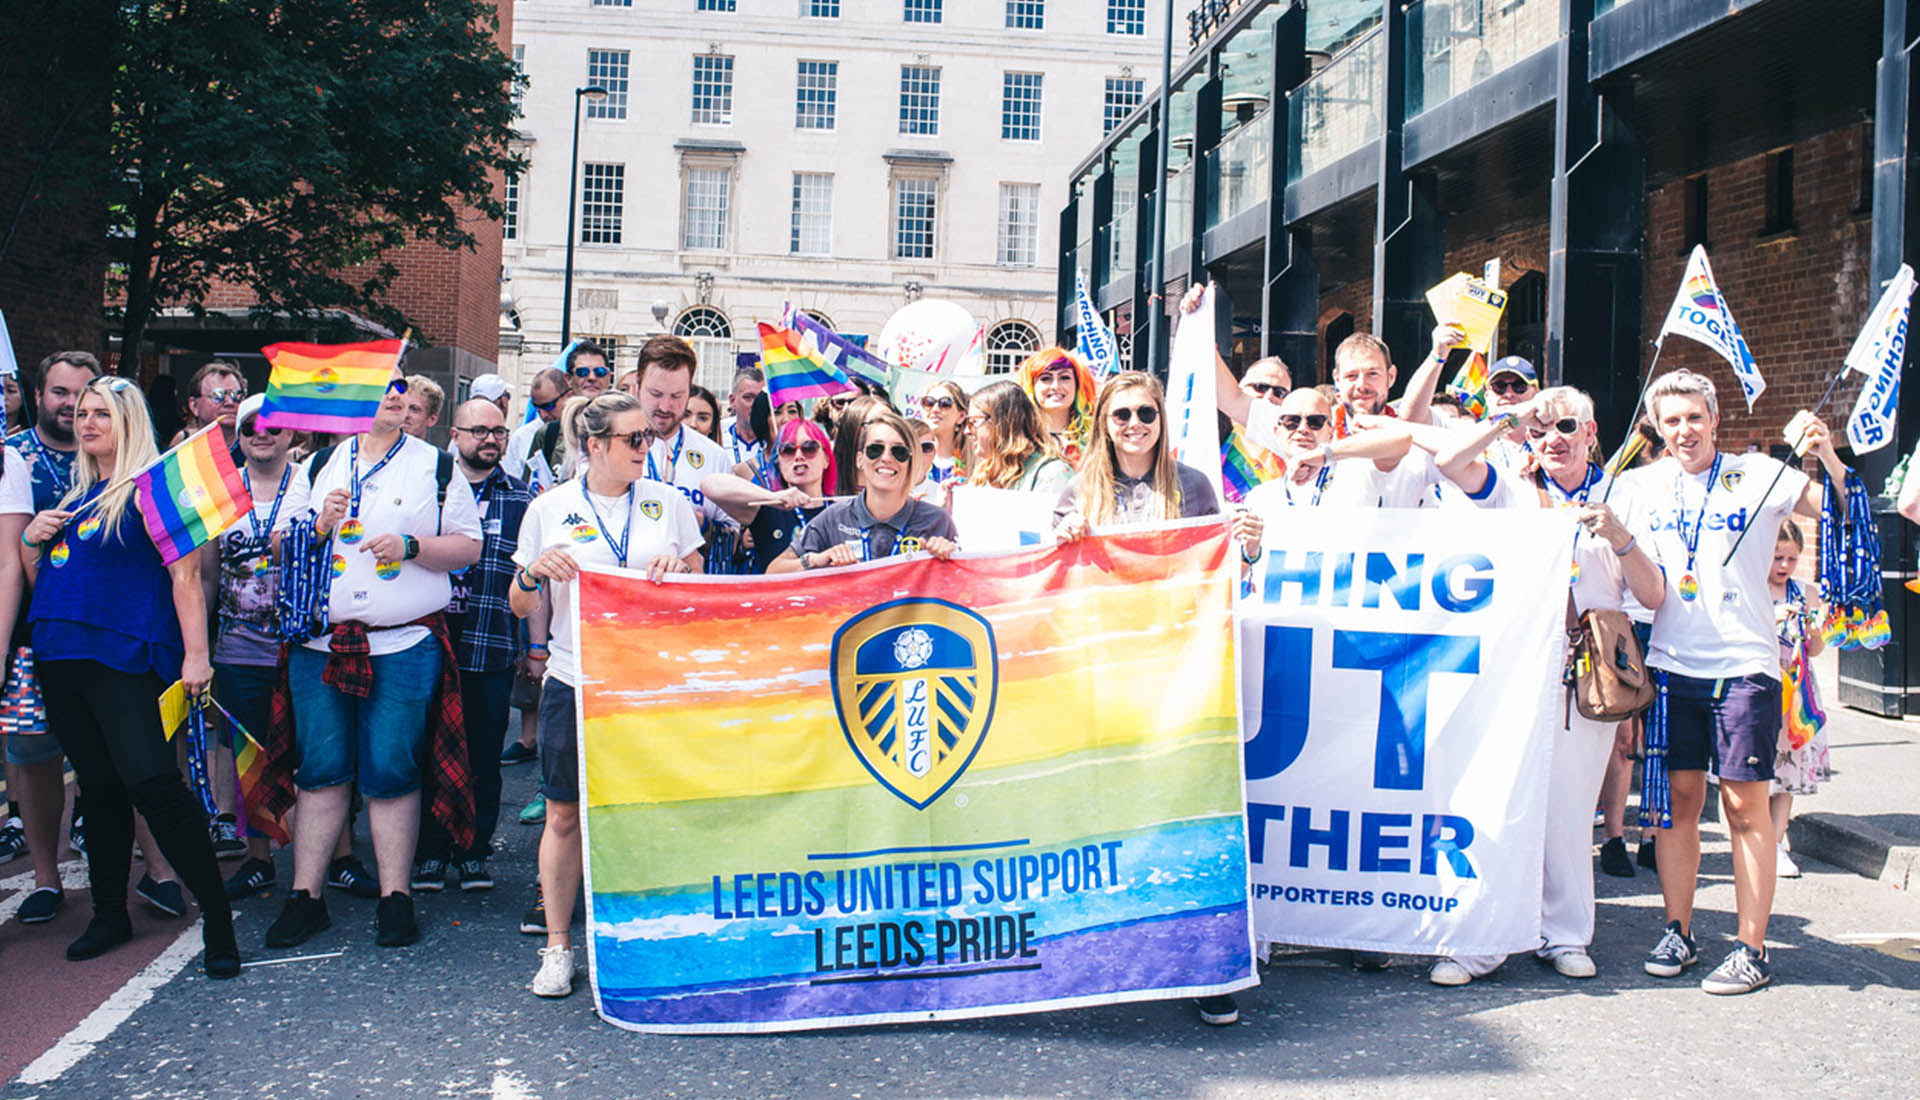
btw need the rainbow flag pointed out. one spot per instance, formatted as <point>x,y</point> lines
<point>915,790</point>
<point>328,387</point>
<point>1244,465</point>
<point>1470,385</point>
<point>1801,712</point>
<point>796,370</point>
<point>192,495</point>
<point>180,715</point>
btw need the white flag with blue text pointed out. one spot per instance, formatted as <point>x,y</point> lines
<point>1193,408</point>
<point>1096,344</point>
<point>1699,312</point>
<point>1878,353</point>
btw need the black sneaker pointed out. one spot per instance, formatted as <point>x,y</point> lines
<point>516,753</point>
<point>1674,953</point>
<point>1218,1011</point>
<point>1742,971</point>
<point>225,833</point>
<point>349,874</point>
<point>253,876</point>
<point>534,921</point>
<point>13,840</point>
<point>164,896</point>
<point>394,921</point>
<point>430,876</point>
<point>1647,858</point>
<point>1614,859</point>
<point>301,917</point>
<point>103,934</point>
<point>474,874</point>
<point>42,905</point>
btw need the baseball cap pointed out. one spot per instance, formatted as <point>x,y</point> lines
<point>1513,364</point>
<point>488,387</point>
<point>250,408</point>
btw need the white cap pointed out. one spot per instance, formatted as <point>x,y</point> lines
<point>488,387</point>
<point>250,408</point>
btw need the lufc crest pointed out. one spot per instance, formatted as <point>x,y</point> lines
<point>914,684</point>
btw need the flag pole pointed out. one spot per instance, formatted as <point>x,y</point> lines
<point>1631,445</point>
<point>1777,474</point>
<point>135,476</point>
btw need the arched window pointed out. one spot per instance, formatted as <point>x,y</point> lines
<point>711,335</point>
<point>826,322</point>
<point>1008,343</point>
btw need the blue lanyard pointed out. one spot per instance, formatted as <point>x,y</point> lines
<point>766,470</point>
<point>866,543</point>
<point>1319,486</point>
<point>673,459</point>
<point>356,479</point>
<point>61,481</point>
<point>618,546</point>
<point>1585,489</point>
<point>253,517</point>
<point>1692,539</point>
<point>733,433</point>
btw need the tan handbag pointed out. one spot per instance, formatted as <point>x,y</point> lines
<point>1606,670</point>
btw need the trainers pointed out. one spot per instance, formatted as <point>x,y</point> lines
<point>164,896</point>
<point>516,753</point>
<point>555,978</point>
<point>77,837</point>
<point>299,918</point>
<point>1574,963</point>
<point>1783,864</point>
<point>474,874</point>
<point>1370,960</point>
<point>42,905</point>
<point>226,838</point>
<point>1448,972</point>
<point>1218,1011</point>
<point>430,876</point>
<point>536,811</point>
<point>1614,859</point>
<point>534,921</point>
<point>349,874</point>
<point>1647,858</point>
<point>1674,953</point>
<point>1742,971</point>
<point>13,840</point>
<point>253,876</point>
<point>395,926</point>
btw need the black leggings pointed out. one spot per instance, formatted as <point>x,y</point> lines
<point>108,722</point>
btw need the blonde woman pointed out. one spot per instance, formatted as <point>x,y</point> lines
<point>1129,476</point>
<point>112,627</point>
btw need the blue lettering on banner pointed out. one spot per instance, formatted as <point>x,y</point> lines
<point>1405,662</point>
<point>1441,836</point>
<point>1460,584</point>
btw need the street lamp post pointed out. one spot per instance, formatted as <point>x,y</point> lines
<point>593,92</point>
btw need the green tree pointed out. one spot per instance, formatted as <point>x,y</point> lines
<point>288,146</point>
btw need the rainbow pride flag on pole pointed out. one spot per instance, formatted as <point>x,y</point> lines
<point>328,387</point>
<point>180,714</point>
<point>192,495</point>
<point>1245,465</point>
<point>795,368</point>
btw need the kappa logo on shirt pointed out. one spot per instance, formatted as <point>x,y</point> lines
<point>574,519</point>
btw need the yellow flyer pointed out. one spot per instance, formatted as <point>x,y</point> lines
<point>1470,303</point>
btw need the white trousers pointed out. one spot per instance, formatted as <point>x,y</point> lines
<point>1580,754</point>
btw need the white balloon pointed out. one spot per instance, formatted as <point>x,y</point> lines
<point>933,335</point>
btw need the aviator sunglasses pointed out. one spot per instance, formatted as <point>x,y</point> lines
<point>1125,414</point>
<point>1314,421</point>
<point>873,451</point>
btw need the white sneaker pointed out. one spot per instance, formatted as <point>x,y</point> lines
<point>1783,864</point>
<point>1574,963</point>
<point>1448,972</point>
<point>556,972</point>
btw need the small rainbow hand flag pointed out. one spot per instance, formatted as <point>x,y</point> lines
<point>328,387</point>
<point>192,495</point>
<point>1470,385</point>
<point>1244,465</point>
<point>795,368</point>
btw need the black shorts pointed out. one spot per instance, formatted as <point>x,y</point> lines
<point>559,742</point>
<point>1729,727</point>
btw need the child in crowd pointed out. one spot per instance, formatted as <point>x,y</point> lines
<point>1801,764</point>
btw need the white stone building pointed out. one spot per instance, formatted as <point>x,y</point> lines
<point>847,155</point>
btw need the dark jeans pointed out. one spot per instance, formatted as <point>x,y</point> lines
<point>485,697</point>
<point>108,722</point>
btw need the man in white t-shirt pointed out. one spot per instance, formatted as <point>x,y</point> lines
<point>547,393</point>
<point>1315,474</point>
<point>366,694</point>
<point>736,431</point>
<point>681,457</point>
<point>1715,655</point>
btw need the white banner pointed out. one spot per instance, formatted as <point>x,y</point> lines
<point>991,520</point>
<point>1400,691</point>
<point>1878,352</point>
<point>1193,409</point>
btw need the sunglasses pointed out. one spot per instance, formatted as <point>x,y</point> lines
<point>807,448</point>
<point>873,451</point>
<point>840,402</point>
<point>1125,414</point>
<point>1509,384</point>
<point>637,441</point>
<point>546,408</point>
<point>1291,421</point>
<point>936,402</point>
<point>976,421</point>
<point>1566,425</point>
<point>1265,389</point>
<point>251,429</point>
<point>114,383</point>
<point>484,433</point>
<point>928,446</point>
<point>228,396</point>
<point>398,385</point>
<point>591,372</point>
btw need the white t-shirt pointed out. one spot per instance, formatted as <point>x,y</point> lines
<point>1726,629</point>
<point>16,486</point>
<point>697,459</point>
<point>398,499</point>
<point>1599,580</point>
<point>1348,483</point>
<point>514,459</point>
<point>659,521</point>
<point>739,450</point>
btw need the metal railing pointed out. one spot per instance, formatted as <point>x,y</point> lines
<point>1239,169</point>
<point>1453,45</point>
<point>1337,110</point>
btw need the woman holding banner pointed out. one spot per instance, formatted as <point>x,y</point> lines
<point>1063,389</point>
<point>776,514</point>
<point>611,515</point>
<point>883,519</point>
<point>112,628</point>
<point>1011,450</point>
<point>1607,563</point>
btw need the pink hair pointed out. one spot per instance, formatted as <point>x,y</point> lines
<point>791,433</point>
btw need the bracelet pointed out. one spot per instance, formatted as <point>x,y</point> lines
<point>1250,558</point>
<point>537,649</point>
<point>520,582</point>
<point>1632,541</point>
<point>27,542</point>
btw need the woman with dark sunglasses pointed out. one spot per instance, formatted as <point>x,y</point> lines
<point>1063,389</point>
<point>775,514</point>
<point>944,407</point>
<point>884,519</point>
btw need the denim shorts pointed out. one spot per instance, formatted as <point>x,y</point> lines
<point>559,742</point>
<point>1730,727</point>
<point>377,739</point>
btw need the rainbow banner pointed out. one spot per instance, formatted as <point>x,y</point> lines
<point>192,495</point>
<point>1245,465</point>
<point>327,387</point>
<point>915,791</point>
<point>795,368</point>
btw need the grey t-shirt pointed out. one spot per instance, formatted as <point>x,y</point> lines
<point>849,521</point>
<point>1136,494</point>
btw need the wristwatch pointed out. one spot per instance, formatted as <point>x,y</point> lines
<point>413,548</point>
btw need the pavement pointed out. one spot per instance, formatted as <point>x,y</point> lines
<point>1867,819</point>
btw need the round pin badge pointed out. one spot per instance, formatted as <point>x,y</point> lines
<point>1689,588</point>
<point>58,555</point>
<point>352,531</point>
<point>386,570</point>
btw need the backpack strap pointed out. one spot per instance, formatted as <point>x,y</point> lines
<point>442,477</point>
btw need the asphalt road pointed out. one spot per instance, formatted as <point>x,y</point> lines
<point>451,1017</point>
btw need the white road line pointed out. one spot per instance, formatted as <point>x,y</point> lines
<point>293,959</point>
<point>511,1086</point>
<point>1874,937</point>
<point>114,1011</point>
